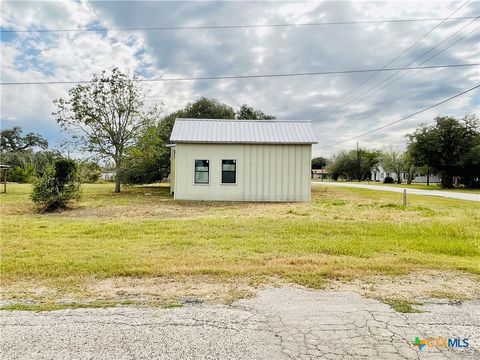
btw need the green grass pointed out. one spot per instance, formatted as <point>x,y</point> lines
<point>403,306</point>
<point>52,306</point>
<point>142,232</point>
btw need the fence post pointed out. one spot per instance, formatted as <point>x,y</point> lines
<point>404,197</point>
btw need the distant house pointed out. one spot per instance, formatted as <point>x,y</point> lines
<point>107,175</point>
<point>378,173</point>
<point>319,174</point>
<point>241,160</point>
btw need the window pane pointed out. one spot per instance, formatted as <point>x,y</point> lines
<point>229,171</point>
<point>201,171</point>
<point>228,167</point>
<point>228,177</point>
<point>201,177</point>
<point>201,163</point>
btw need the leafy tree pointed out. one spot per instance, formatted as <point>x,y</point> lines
<point>105,116</point>
<point>21,175</point>
<point>12,140</point>
<point>345,164</point>
<point>149,160</point>
<point>57,187</point>
<point>319,162</point>
<point>205,108</point>
<point>449,147</point>
<point>248,112</point>
<point>20,153</point>
<point>394,161</point>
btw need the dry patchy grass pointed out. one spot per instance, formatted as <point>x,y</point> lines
<point>226,248</point>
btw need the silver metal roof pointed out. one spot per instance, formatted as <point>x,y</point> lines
<point>242,131</point>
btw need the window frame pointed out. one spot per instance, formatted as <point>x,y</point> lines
<point>234,171</point>
<point>195,172</point>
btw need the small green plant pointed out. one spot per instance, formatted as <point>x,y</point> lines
<point>57,187</point>
<point>403,306</point>
<point>388,180</point>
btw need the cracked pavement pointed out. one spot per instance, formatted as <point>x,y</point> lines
<point>279,323</point>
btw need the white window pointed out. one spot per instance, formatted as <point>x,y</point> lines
<point>229,171</point>
<point>201,172</point>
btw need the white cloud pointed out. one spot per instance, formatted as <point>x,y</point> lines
<point>72,56</point>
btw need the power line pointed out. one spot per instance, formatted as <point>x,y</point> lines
<point>449,17</point>
<point>213,27</point>
<point>409,116</point>
<point>366,94</point>
<point>423,62</point>
<point>227,77</point>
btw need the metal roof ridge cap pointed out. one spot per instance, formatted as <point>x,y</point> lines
<point>246,120</point>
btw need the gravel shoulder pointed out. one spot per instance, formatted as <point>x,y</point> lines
<point>279,323</point>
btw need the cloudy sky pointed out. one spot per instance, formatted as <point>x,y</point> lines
<point>30,56</point>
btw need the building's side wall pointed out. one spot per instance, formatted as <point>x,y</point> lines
<point>264,172</point>
<point>172,169</point>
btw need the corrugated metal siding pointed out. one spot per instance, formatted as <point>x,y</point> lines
<point>264,172</point>
<point>242,131</point>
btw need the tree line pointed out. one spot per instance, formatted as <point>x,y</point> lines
<point>450,148</point>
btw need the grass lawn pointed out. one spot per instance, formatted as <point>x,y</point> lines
<point>344,233</point>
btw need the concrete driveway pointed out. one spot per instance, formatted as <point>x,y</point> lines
<point>445,194</point>
<point>280,323</point>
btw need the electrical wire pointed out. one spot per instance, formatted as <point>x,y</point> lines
<point>397,56</point>
<point>366,94</point>
<point>229,77</point>
<point>408,117</point>
<point>214,27</point>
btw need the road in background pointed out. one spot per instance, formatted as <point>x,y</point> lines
<point>445,194</point>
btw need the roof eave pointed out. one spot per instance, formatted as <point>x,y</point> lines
<point>243,142</point>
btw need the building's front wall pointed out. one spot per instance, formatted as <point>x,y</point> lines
<point>264,172</point>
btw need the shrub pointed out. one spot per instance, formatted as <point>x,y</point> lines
<point>388,180</point>
<point>89,172</point>
<point>57,186</point>
<point>20,175</point>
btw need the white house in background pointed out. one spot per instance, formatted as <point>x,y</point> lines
<point>107,175</point>
<point>378,173</point>
<point>241,160</point>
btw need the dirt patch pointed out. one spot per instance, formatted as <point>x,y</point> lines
<point>172,290</point>
<point>431,286</point>
<point>424,287</point>
<point>155,291</point>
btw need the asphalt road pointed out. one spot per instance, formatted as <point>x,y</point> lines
<point>283,323</point>
<point>445,194</point>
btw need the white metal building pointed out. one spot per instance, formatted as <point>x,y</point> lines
<point>241,160</point>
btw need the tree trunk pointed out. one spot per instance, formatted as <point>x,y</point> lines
<point>117,179</point>
<point>428,176</point>
<point>410,177</point>
<point>447,181</point>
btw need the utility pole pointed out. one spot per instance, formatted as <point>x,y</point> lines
<point>359,176</point>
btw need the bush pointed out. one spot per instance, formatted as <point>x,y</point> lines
<point>20,175</point>
<point>57,186</point>
<point>89,172</point>
<point>388,180</point>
